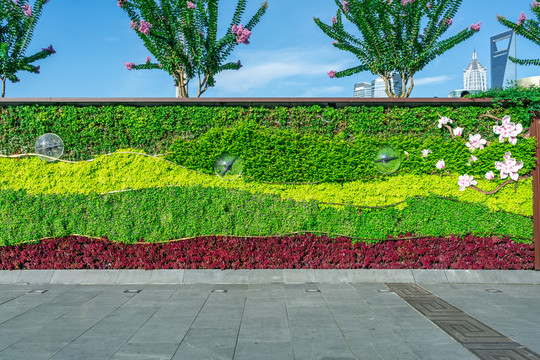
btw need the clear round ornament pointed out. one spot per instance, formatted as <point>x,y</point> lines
<point>228,167</point>
<point>49,145</point>
<point>387,160</point>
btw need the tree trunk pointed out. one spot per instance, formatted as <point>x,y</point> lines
<point>3,86</point>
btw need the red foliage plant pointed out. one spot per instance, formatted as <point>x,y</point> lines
<point>287,252</point>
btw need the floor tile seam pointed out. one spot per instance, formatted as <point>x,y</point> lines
<point>190,325</point>
<point>91,327</point>
<point>340,329</point>
<point>239,328</point>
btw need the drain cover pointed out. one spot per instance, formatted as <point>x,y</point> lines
<point>38,291</point>
<point>493,291</point>
<point>312,290</point>
<point>132,291</point>
<point>219,291</point>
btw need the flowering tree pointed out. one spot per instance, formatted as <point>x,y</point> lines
<point>182,36</point>
<point>17,22</point>
<point>528,28</point>
<point>396,37</point>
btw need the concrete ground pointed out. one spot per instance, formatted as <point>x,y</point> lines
<point>251,321</point>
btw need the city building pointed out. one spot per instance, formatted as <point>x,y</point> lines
<point>475,75</point>
<point>376,88</point>
<point>503,70</point>
<point>529,81</point>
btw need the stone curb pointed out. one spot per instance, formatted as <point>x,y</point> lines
<point>271,276</point>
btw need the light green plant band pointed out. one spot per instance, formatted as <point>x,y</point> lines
<point>130,171</point>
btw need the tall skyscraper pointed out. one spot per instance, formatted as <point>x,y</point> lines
<point>503,70</point>
<point>475,75</point>
<point>376,89</point>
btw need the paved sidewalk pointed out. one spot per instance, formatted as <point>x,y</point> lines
<point>251,321</point>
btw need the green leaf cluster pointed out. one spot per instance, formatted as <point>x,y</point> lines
<point>122,171</point>
<point>16,31</point>
<point>93,130</point>
<point>529,29</point>
<point>393,37</point>
<point>172,213</point>
<point>272,155</point>
<point>183,38</point>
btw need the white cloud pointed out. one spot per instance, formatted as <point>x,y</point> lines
<point>432,80</point>
<point>279,69</point>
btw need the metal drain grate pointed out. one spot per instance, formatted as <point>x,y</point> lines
<point>483,341</point>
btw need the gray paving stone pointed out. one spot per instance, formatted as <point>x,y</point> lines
<point>166,276</point>
<point>68,276</point>
<point>100,277</point>
<point>265,276</point>
<point>35,277</point>
<point>331,276</point>
<point>246,350</point>
<point>9,276</point>
<point>381,276</point>
<point>216,276</point>
<point>424,276</point>
<point>298,276</point>
<point>31,351</point>
<point>210,344</point>
<point>149,350</point>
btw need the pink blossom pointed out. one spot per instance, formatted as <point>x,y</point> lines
<point>406,154</point>
<point>508,130</point>
<point>444,120</point>
<point>49,49</point>
<point>426,152</point>
<point>121,3</point>
<point>148,59</point>
<point>335,42</point>
<point>332,74</point>
<point>37,69</point>
<point>190,5</point>
<point>390,2</point>
<point>440,164</point>
<point>144,27</point>
<point>242,35</point>
<point>130,65</point>
<point>509,167</point>
<point>521,18</point>
<point>535,4</point>
<point>346,6</point>
<point>490,175</point>
<point>334,20</point>
<point>475,142</point>
<point>449,21</point>
<point>476,27</point>
<point>133,24</point>
<point>466,181</point>
<point>405,2</point>
<point>429,5</point>
<point>27,10</point>
<point>457,131</point>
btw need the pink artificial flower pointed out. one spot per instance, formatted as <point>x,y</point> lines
<point>27,10</point>
<point>457,131</point>
<point>133,24</point>
<point>332,74</point>
<point>521,18</point>
<point>535,4</point>
<point>345,6</point>
<point>476,27</point>
<point>449,21</point>
<point>390,2</point>
<point>490,175</point>
<point>49,49</point>
<point>426,152</point>
<point>148,59</point>
<point>406,154</point>
<point>475,142</point>
<point>334,20</point>
<point>429,6</point>
<point>509,167</point>
<point>190,5</point>
<point>144,27</point>
<point>466,181</point>
<point>405,2</point>
<point>444,120</point>
<point>130,65</point>
<point>440,164</point>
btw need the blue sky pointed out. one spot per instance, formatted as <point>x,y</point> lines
<point>288,55</point>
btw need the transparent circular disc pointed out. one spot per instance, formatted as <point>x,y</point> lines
<point>228,167</point>
<point>49,145</point>
<point>386,160</point>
